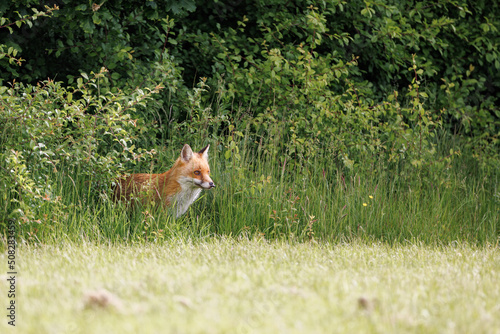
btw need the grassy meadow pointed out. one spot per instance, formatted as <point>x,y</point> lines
<point>236,285</point>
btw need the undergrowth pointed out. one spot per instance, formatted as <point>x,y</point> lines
<point>265,199</point>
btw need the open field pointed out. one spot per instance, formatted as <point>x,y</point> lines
<point>237,286</point>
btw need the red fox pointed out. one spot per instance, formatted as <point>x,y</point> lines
<point>180,186</point>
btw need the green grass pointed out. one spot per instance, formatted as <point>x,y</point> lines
<point>257,197</point>
<point>227,285</point>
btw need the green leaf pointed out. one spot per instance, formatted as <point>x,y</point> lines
<point>96,18</point>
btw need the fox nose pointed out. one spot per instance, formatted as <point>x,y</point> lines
<point>212,185</point>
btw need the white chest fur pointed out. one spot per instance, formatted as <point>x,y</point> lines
<point>184,198</point>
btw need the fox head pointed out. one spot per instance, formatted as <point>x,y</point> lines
<point>194,168</point>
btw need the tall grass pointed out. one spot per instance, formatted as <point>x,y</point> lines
<point>260,197</point>
<point>326,203</point>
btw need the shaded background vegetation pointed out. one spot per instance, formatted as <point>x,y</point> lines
<point>402,93</point>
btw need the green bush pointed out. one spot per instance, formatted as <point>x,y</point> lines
<point>50,129</point>
<point>453,43</point>
<point>301,69</point>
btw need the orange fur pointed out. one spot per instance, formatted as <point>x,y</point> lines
<point>181,184</point>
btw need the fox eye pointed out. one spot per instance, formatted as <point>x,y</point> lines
<point>196,172</point>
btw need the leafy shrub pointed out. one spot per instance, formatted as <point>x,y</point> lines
<point>280,61</point>
<point>305,107</point>
<point>50,129</point>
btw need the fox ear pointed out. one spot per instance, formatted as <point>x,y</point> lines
<point>204,152</point>
<point>186,153</point>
